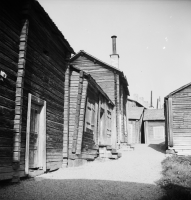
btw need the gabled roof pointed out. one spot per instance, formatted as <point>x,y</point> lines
<point>90,78</point>
<point>96,60</point>
<point>135,112</point>
<point>52,25</point>
<point>139,104</point>
<point>178,90</point>
<point>153,114</point>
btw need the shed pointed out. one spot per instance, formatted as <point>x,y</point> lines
<point>154,126</point>
<point>34,55</point>
<point>178,120</point>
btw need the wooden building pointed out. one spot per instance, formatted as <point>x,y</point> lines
<point>178,120</point>
<point>89,120</point>
<point>135,121</point>
<point>154,126</point>
<point>136,130</point>
<point>33,59</point>
<point>113,83</point>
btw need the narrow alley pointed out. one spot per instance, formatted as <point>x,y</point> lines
<point>133,176</point>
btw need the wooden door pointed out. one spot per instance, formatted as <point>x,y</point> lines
<point>34,136</point>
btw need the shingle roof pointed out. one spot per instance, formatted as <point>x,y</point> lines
<point>154,114</point>
<point>135,112</point>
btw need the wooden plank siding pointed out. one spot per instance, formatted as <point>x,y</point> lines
<point>10,27</point>
<point>178,105</point>
<point>151,138</point>
<point>112,83</point>
<point>106,80</point>
<point>86,99</point>
<point>34,55</point>
<point>45,77</point>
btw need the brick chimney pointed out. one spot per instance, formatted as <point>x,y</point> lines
<point>114,56</point>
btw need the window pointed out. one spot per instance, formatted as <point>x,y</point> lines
<point>90,116</point>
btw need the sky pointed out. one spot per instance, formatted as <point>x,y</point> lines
<point>153,38</point>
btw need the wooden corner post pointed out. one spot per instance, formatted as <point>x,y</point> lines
<point>170,120</point>
<point>19,101</point>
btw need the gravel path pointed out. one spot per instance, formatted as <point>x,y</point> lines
<point>132,176</point>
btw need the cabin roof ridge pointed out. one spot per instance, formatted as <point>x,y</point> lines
<point>84,52</point>
<point>154,114</point>
<point>177,90</point>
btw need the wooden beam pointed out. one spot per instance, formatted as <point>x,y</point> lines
<point>28,135</point>
<point>19,98</point>
<point>98,121</point>
<point>170,122</point>
<point>166,122</point>
<point>116,91</point>
<point>77,116</point>
<point>66,113</point>
<point>146,131</point>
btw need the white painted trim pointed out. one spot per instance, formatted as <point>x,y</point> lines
<point>28,135</point>
<point>42,135</point>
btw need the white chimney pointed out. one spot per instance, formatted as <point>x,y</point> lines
<point>114,56</point>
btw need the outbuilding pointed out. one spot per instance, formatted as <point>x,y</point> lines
<point>178,120</point>
<point>154,126</point>
<point>113,83</point>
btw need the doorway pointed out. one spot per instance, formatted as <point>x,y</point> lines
<point>35,155</point>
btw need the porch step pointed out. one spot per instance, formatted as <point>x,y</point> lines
<point>35,172</point>
<point>108,152</point>
<point>128,147</point>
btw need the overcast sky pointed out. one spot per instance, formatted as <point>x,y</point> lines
<point>153,38</point>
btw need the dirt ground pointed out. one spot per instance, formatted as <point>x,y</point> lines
<point>133,176</point>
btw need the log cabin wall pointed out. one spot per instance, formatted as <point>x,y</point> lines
<point>10,28</point>
<point>178,121</point>
<point>90,117</point>
<point>34,55</point>
<point>45,71</point>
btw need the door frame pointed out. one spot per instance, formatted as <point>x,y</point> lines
<point>42,131</point>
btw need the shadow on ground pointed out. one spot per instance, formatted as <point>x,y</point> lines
<point>158,147</point>
<point>176,192</point>
<point>40,188</point>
